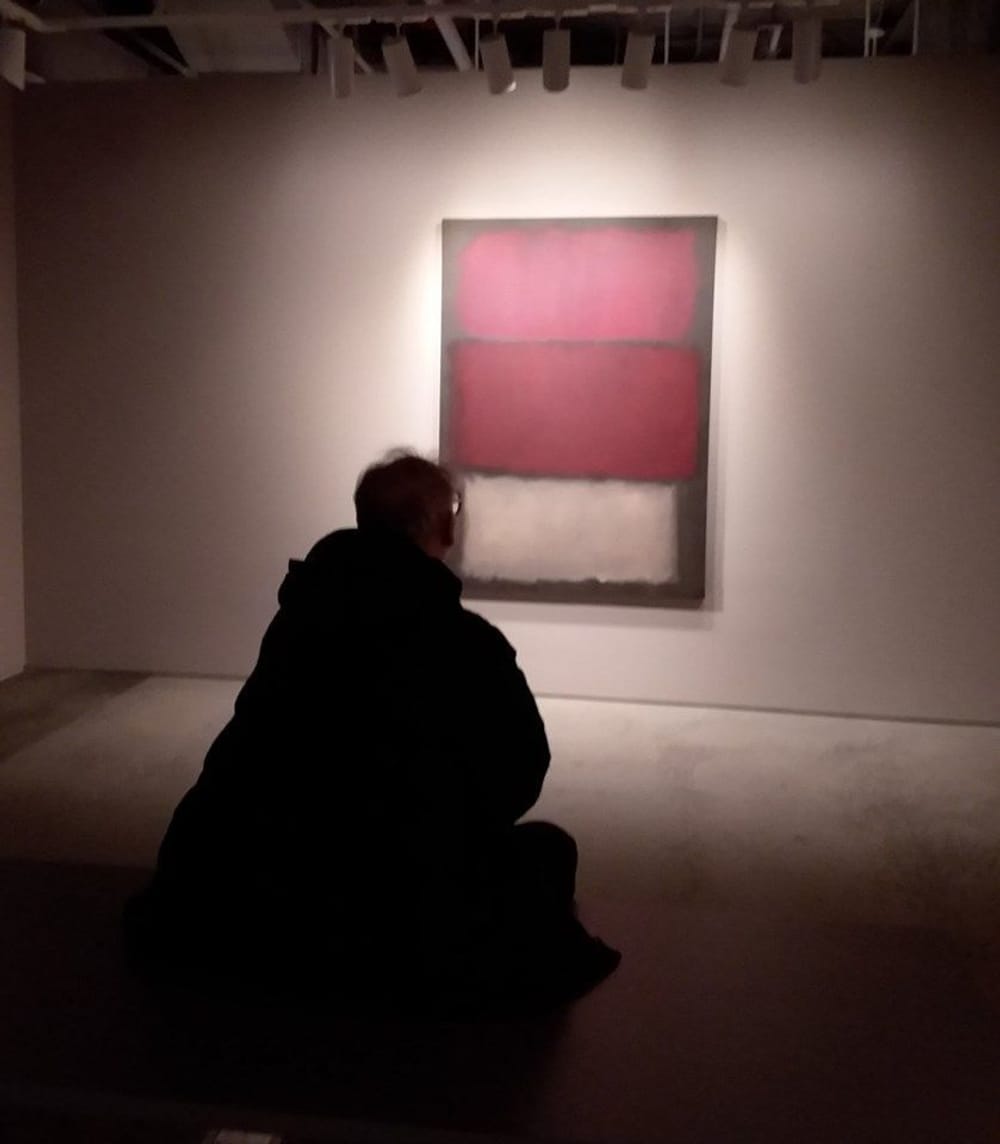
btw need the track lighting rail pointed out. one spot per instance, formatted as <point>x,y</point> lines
<point>351,14</point>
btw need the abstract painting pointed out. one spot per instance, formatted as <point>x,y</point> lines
<point>576,366</point>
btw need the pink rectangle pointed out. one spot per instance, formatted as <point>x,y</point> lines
<point>581,410</point>
<point>587,284</point>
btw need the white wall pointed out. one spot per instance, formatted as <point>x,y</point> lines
<point>11,549</point>
<point>230,304</point>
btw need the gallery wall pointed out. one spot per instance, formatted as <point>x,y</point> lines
<point>11,553</point>
<point>230,304</point>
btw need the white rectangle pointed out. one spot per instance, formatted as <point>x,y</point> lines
<point>518,528</point>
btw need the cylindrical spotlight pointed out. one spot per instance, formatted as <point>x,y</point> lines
<point>638,60</point>
<point>13,56</point>
<point>555,59</point>
<point>400,66</point>
<point>340,57</point>
<point>807,48</point>
<point>738,60</point>
<point>496,64</point>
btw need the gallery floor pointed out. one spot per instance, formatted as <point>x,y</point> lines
<point>809,910</point>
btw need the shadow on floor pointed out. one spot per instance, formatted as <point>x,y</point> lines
<point>720,1026</point>
<point>77,1021</point>
<point>40,701</point>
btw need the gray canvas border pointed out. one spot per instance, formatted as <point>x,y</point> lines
<point>688,590</point>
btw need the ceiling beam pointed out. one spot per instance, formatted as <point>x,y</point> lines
<point>140,46</point>
<point>21,15</point>
<point>904,32</point>
<point>350,14</point>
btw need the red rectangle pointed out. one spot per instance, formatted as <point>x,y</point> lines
<point>581,410</point>
<point>578,284</point>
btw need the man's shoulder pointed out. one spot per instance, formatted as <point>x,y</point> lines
<point>483,635</point>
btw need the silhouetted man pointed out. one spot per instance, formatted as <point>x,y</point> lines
<point>354,822</point>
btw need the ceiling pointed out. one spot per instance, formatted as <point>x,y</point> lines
<point>86,40</point>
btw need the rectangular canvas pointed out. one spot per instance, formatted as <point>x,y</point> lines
<point>576,366</point>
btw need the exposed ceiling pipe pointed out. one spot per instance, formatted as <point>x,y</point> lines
<point>331,29</point>
<point>732,15</point>
<point>453,41</point>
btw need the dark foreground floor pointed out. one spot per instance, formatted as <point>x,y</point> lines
<point>718,1027</point>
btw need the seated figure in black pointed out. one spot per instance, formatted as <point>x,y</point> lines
<point>355,825</point>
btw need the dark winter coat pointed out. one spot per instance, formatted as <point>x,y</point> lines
<point>384,738</point>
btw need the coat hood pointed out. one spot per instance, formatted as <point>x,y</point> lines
<point>354,574</point>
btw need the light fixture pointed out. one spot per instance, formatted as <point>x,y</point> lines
<point>340,57</point>
<point>807,48</point>
<point>555,59</point>
<point>638,60</point>
<point>13,56</point>
<point>496,63</point>
<point>738,58</point>
<point>400,66</point>
<point>872,37</point>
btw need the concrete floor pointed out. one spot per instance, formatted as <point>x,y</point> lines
<point>808,908</point>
